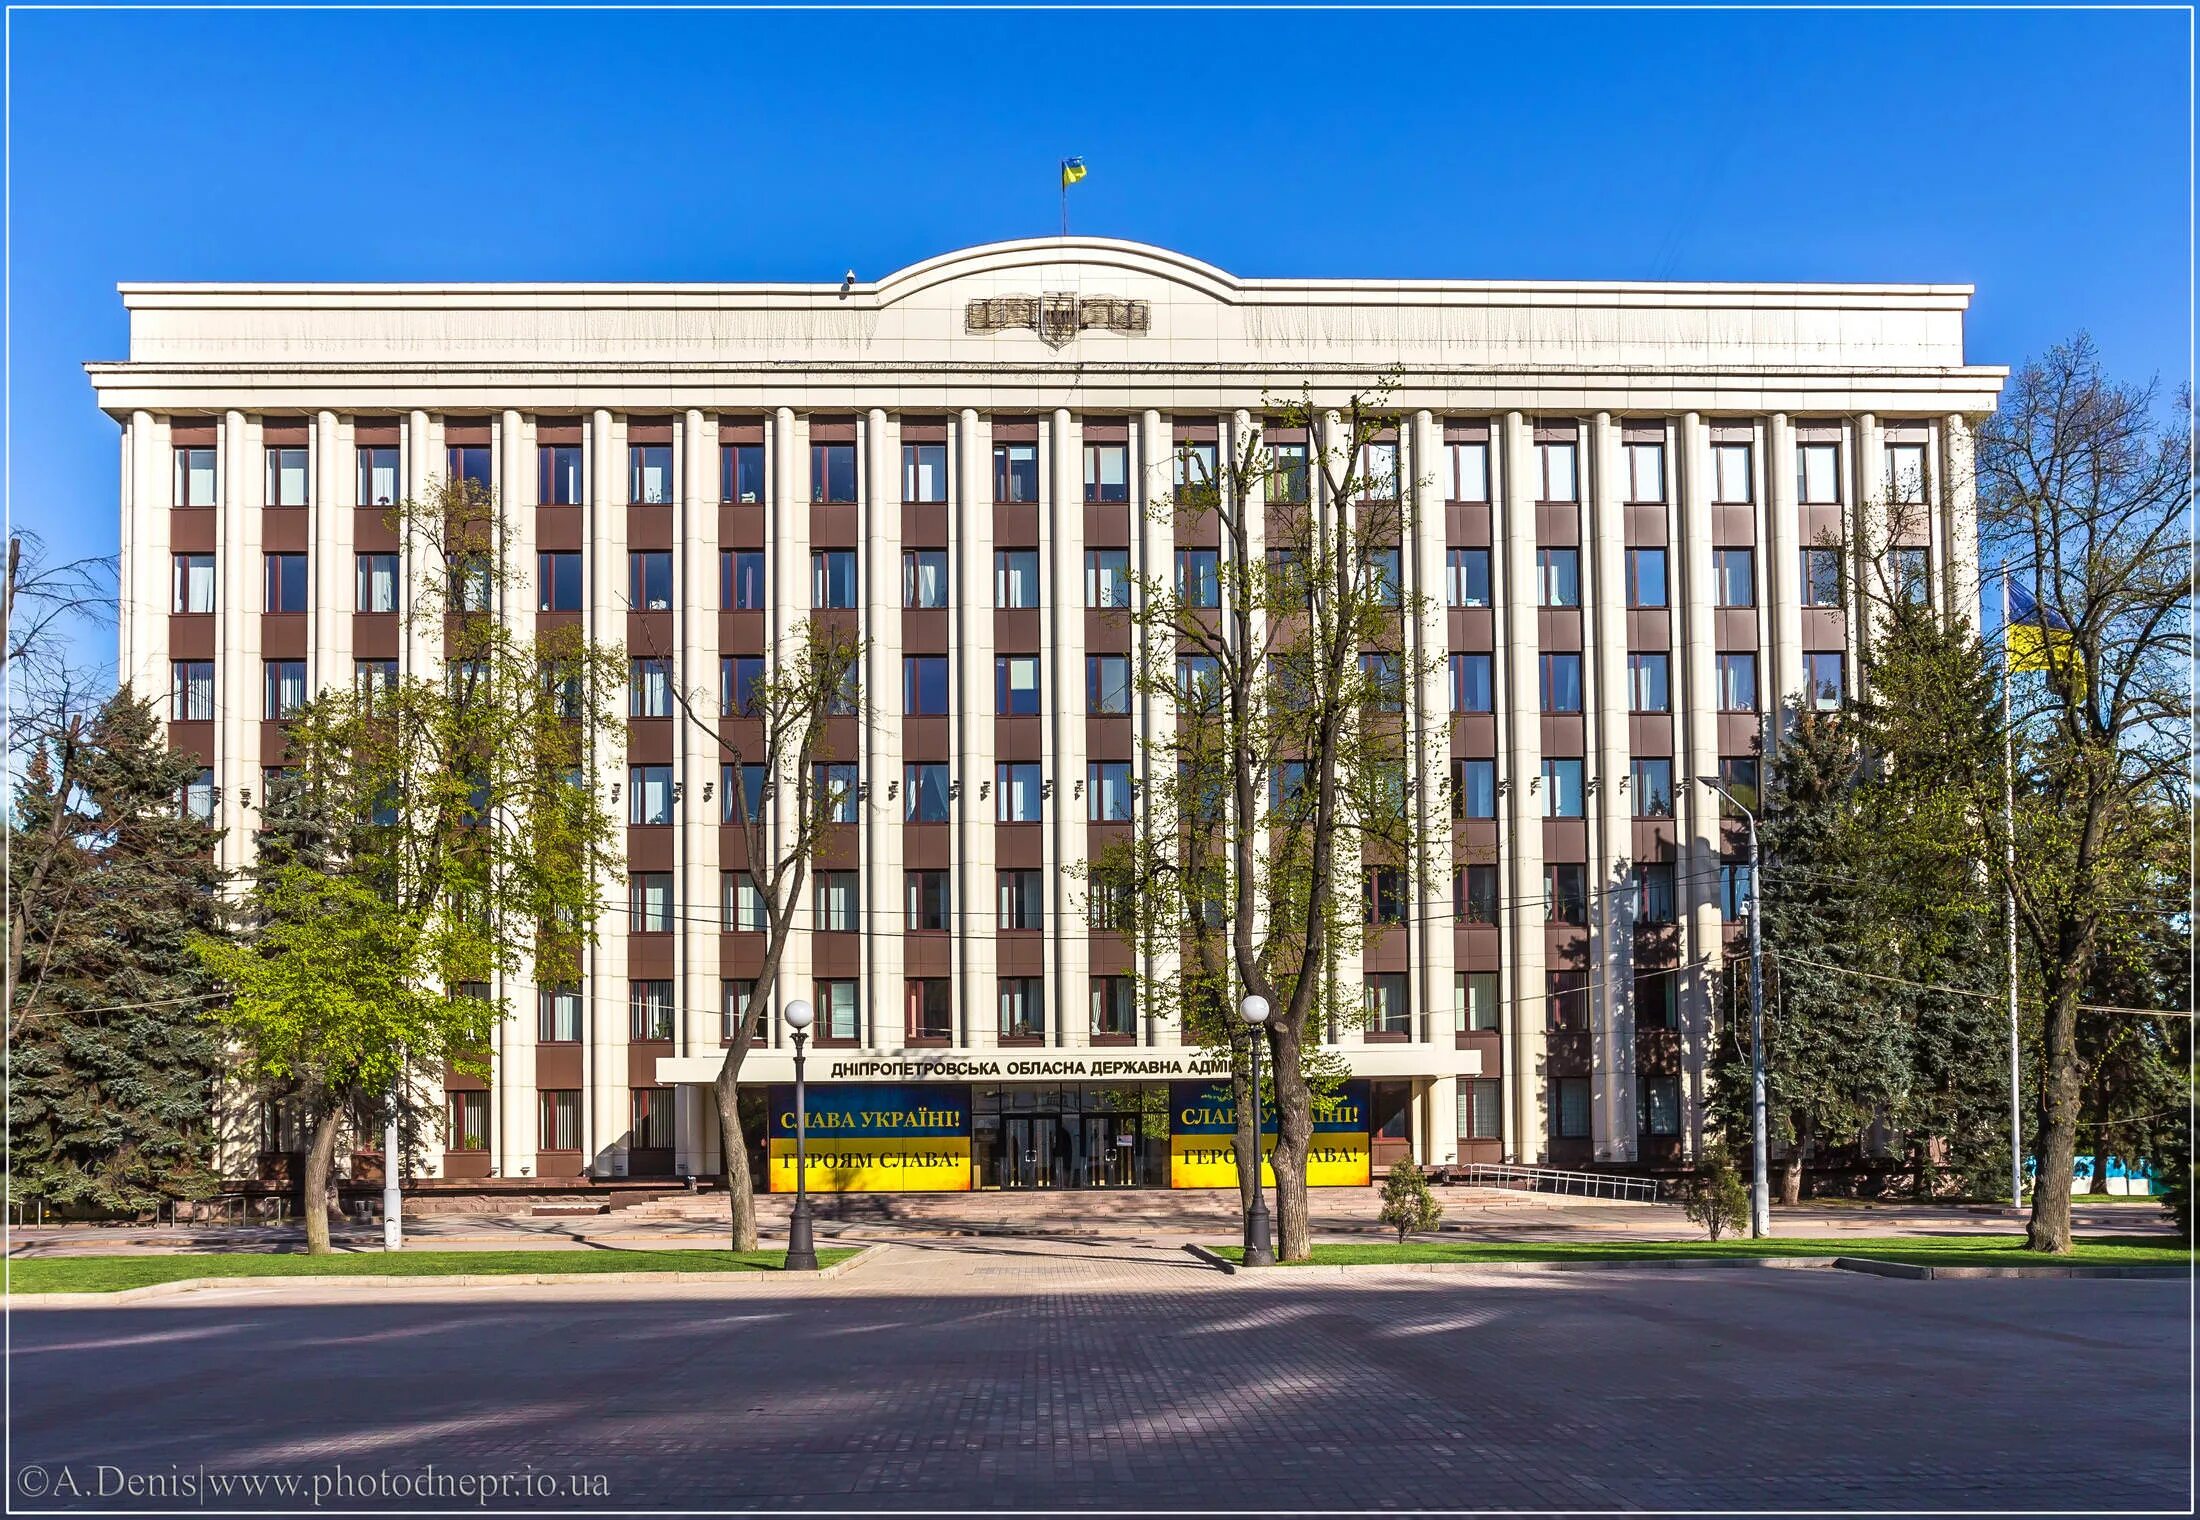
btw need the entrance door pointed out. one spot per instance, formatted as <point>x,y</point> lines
<point>1110,1163</point>
<point>1027,1158</point>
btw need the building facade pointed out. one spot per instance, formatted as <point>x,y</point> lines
<point>1627,514</point>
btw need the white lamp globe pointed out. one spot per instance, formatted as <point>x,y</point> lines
<point>1254,1010</point>
<point>797,1014</point>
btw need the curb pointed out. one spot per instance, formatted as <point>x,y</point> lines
<point>1914,1272</point>
<point>1868,1266</point>
<point>746,1276</point>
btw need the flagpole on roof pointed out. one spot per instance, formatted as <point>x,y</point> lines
<point>2009,903</point>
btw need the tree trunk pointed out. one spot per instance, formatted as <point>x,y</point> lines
<point>2054,1148</point>
<point>2098,1185</point>
<point>733,1146</point>
<point>320,1166</point>
<point>1791,1169</point>
<point>1294,1132</point>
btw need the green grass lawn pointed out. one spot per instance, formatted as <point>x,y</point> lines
<point>111,1274</point>
<point>1925,1250</point>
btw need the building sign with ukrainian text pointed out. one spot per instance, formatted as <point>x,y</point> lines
<point>875,1138</point>
<point>1203,1145</point>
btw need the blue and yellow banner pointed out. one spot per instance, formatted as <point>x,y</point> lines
<point>1203,1129</point>
<point>2035,637</point>
<point>875,1138</point>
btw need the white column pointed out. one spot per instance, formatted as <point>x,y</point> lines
<point>790,593</point>
<point>332,563</point>
<point>1062,608</point>
<point>971,579</point>
<point>1520,771</point>
<point>610,1106</point>
<point>240,676</point>
<point>512,1081</point>
<point>702,995</point>
<point>1696,809</point>
<point>1611,836</point>
<point>1783,576</point>
<point>885,967</point>
<point>1867,536</point>
<point>1153,538</point>
<point>147,570</point>
<point>1435,926</point>
<point>1959,569</point>
<point>424,463</point>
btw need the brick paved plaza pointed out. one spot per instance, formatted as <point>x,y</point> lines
<point>1119,1373</point>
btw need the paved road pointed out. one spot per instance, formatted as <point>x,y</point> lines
<point>991,1374</point>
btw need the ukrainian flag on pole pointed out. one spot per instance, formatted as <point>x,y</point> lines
<point>1073,170</point>
<point>2040,638</point>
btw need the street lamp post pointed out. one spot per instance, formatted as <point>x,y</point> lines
<point>1260,1248</point>
<point>1760,1197</point>
<point>801,1252</point>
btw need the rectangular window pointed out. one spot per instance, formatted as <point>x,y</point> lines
<point>1107,473</point>
<point>1114,1007</point>
<point>194,582</point>
<point>1737,683</point>
<point>1108,784</point>
<point>1195,464</point>
<point>1651,782</point>
<point>930,1006</point>
<point>1470,683</point>
<point>1107,577</point>
<point>1015,473</point>
<point>1561,682</point>
<point>1661,1105</point>
<point>649,580</point>
<point>741,472</point>
<point>198,796</point>
<point>1387,1012</point>
<point>1379,471</point>
<point>1734,577</point>
<point>1386,895</point>
<point>1023,1008</point>
<point>924,685</point>
<point>1566,893</point>
<point>924,579</point>
<point>1733,893</point>
<point>377,583</point>
<point>558,581</point>
<point>1107,684</point>
<point>743,786</point>
<point>832,473</point>
<point>1649,688</point>
<point>1821,577</point>
<point>1016,685</point>
<point>192,692</point>
<point>473,583</point>
<point>1824,678</point>
<point>650,1004</point>
<point>1558,577</point>
<point>558,1015</point>
<point>1818,474</point>
<point>1646,472</point>
<point>558,474</point>
<point>1018,793</point>
<point>378,476</point>
<point>1475,890</point>
<point>1015,577</point>
<point>1655,1005</point>
<point>1467,577</point>
<point>1198,578</point>
<point>1479,1111</point>
<point>924,472</point>
<point>836,902</point>
<point>286,687</point>
<point>736,997</point>
<point>1906,473</point>
<point>1561,788</point>
<point>195,477</point>
<point>649,794</point>
<point>1385,576</point>
<point>1470,472</point>
<point>742,904</point>
<point>1385,689</point>
<point>1566,999</point>
<point>1020,902</point>
<point>1559,475</point>
<point>286,583</point>
<point>1738,778</point>
<point>470,463</point>
<point>832,577</point>
<point>839,789</point>
<point>652,1127</point>
<point>925,790</point>
<point>1654,902</point>
<point>1287,474</point>
<point>929,900</point>
<point>561,1119</point>
<point>287,473</point>
<point>1646,578</point>
<point>741,580</point>
<point>650,902</point>
<point>1913,575</point>
<point>649,689</point>
<point>1481,1005</point>
<point>1570,1108</point>
<point>1477,793</point>
<point>1731,475</point>
<point>738,678</point>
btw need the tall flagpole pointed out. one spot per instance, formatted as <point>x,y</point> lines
<point>2009,905</point>
<point>1061,172</point>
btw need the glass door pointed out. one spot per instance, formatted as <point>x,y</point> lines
<point>1027,1151</point>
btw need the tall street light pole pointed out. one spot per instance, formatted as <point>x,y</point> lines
<point>801,1252</point>
<point>1260,1247</point>
<point>1760,1197</point>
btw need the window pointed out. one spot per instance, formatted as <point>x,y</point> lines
<point>1654,902</point>
<point>1015,473</point>
<point>650,894</point>
<point>1470,472</point>
<point>192,691</point>
<point>1016,685</point>
<point>561,1120</point>
<point>1474,889</point>
<point>1107,684</point>
<point>1470,683</point>
<point>832,473</point>
<point>738,676</point>
<point>651,1006</point>
<point>1913,577</point>
<point>1015,577</point>
<point>1651,781</point>
<point>649,580</point>
<point>1023,1008</point>
<point>1561,682</point>
<point>742,904</point>
<point>1386,895</point>
<point>649,689</point>
<point>649,473</point>
<point>378,476</point>
<point>1109,791</point>
<point>466,1115</point>
<point>1818,474</point>
<point>1386,686</point>
<point>1018,789</point>
<point>1479,1114</point>
<point>1570,1108</point>
<point>1107,577</point>
<point>1566,893</point>
<point>1730,474</point>
<point>1734,577</point>
<point>737,996</point>
<point>198,796</point>
<point>1195,463</point>
<point>1287,473</point>
<point>930,1007</point>
<point>1821,577</point>
<point>1824,679</point>
<point>558,1014</point>
<point>836,902</point>
<point>194,582</point>
<point>558,581</point>
<point>1646,472</point>
<point>473,583</point>
<point>1110,904</point>
<point>741,580</point>
<point>1287,787</point>
<point>1467,577</point>
<point>837,1010</point>
<point>1738,777</point>
<point>377,583</point>
<point>1557,460</point>
<point>1558,577</point>
<point>1649,688</point>
<point>924,685</point>
<point>195,477</point>
<point>832,577</point>
<point>652,1128</point>
<point>286,687</point>
<point>1655,1005</point>
<point>1114,1007</point>
<point>1379,471</point>
<point>1906,473</point>
<point>924,472</point>
<point>1661,1105</point>
<point>924,578</point>
<point>1561,788</point>
<point>839,790</point>
<point>1566,999</point>
<point>1477,794</point>
<point>649,794</point>
<point>741,472</point>
<point>470,463</point>
<point>1737,682</point>
<point>558,474</point>
<point>1107,472</point>
<point>1198,578</point>
<point>743,786</point>
<point>1385,575</point>
<point>286,583</point>
<point>1646,578</point>
<point>1387,1013</point>
<point>925,792</point>
<point>1733,893</point>
<point>929,900</point>
<point>1020,902</point>
<point>286,477</point>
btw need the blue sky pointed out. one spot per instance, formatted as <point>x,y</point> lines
<point>2041,155</point>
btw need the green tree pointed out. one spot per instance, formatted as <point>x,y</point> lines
<point>1408,1205</point>
<point>1717,1198</point>
<point>112,1104</point>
